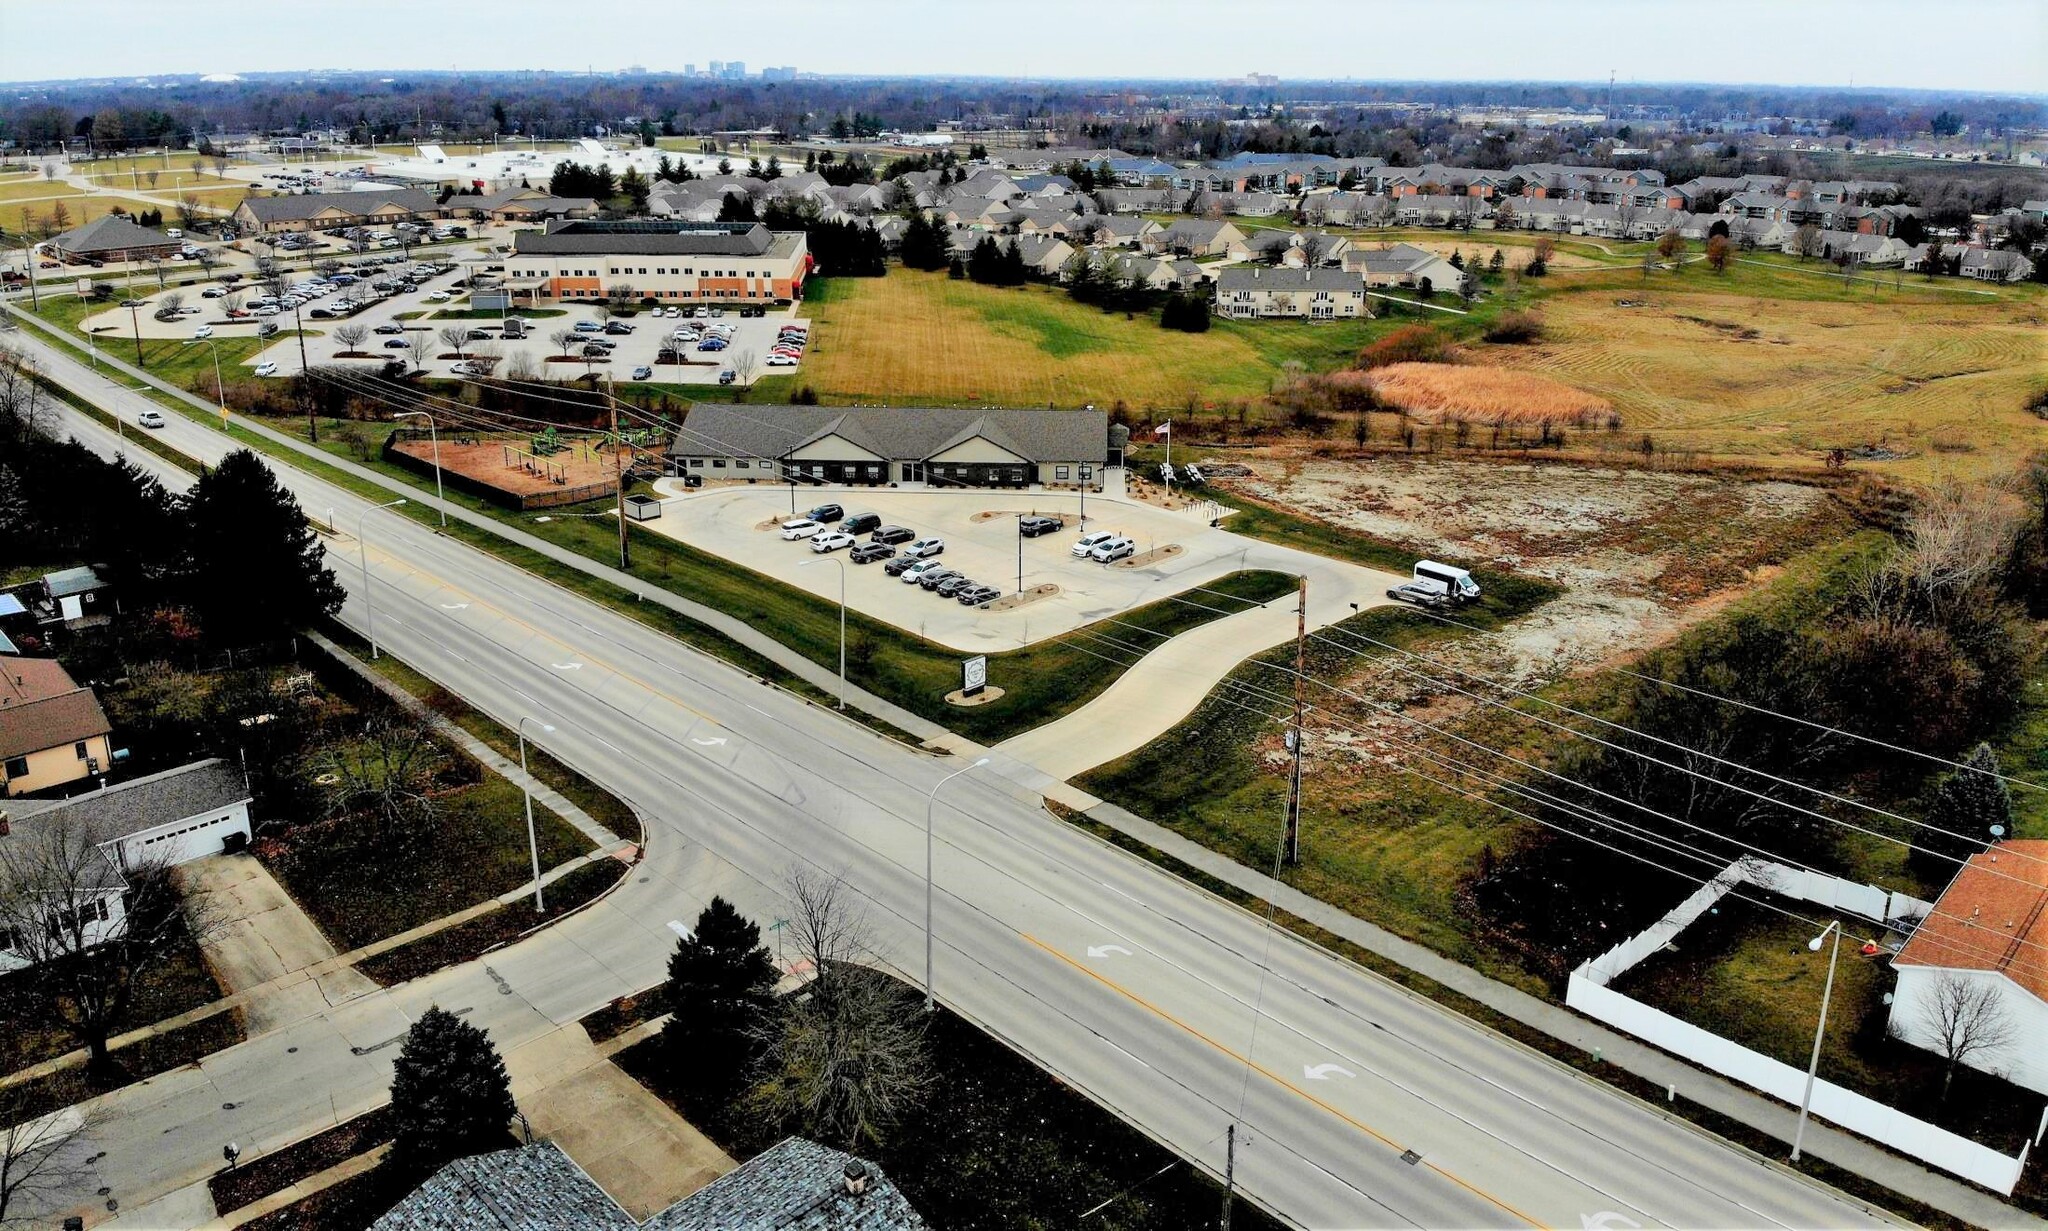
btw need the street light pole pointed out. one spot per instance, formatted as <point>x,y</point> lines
<point>440,496</point>
<point>526,786</point>
<point>135,322</point>
<point>219,389</point>
<point>1819,1030</point>
<point>930,800</point>
<point>842,620</point>
<point>363,550</point>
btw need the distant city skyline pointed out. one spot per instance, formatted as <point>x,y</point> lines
<point>1738,42</point>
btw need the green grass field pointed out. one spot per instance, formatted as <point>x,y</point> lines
<point>914,337</point>
<point>170,359</point>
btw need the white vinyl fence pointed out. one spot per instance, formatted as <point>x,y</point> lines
<point>1588,993</point>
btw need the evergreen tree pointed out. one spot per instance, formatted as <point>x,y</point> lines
<point>773,171</point>
<point>738,207</point>
<point>1497,262</point>
<point>956,268</point>
<point>984,264</point>
<point>1967,803</point>
<point>634,187</point>
<point>1013,271</point>
<point>664,170</point>
<point>724,166</point>
<point>754,167</point>
<point>720,982</point>
<point>255,567</point>
<point>810,160</point>
<point>924,243</point>
<point>450,1096</point>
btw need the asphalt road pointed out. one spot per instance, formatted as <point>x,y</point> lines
<point>1359,1105</point>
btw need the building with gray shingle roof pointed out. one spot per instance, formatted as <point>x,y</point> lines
<point>112,237</point>
<point>954,446</point>
<point>796,1185</point>
<point>1244,291</point>
<point>317,210</point>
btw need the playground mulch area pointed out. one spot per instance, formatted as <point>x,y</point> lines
<point>512,465</point>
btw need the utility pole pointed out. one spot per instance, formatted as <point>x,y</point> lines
<point>1229,1172</point>
<point>1291,846</point>
<point>619,475</point>
<point>306,378</point>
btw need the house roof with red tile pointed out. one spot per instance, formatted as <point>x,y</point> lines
<point>1993,916</point>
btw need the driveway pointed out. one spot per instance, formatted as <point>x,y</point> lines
<point>261,936</point>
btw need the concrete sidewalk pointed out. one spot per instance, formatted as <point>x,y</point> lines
<point>263,938</point>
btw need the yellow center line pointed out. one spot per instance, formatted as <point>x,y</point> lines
<point>1279,1080</point>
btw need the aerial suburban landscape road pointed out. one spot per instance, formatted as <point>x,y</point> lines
<point>1359,1104</point>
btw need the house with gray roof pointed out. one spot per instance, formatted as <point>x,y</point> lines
<point>112,237</point>
<point>1201,237</point>
<point>1247,291</point>
<point>521,205</point>
<point>795,1185</point>
<point>874,445</point>
<point>1403,265</point>
<point>1119,230</point>
<point>321,211</point>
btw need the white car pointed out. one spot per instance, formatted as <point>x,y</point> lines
<point>265,310</point>
<point>910,575</point>
<point>831,541</point>
<point>151,418</point>
<point>1087,543</point>
<point>800,528</point>
<point>780,361</point>
<point>925,547</point>
<point>1115,549</point>
<point>204,331</point>
<point>438,297</point>
<point>266,368</point>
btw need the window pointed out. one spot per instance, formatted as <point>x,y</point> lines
<point>718,463</point>
<point>1059,472</point>
<point>1087,473</point>
<point>741,465</point>
<point>17,767</point>
<point>697,462</point>
<point>79,748</point>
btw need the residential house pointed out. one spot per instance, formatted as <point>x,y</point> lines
<point>1274,246</point>
<point>323,211</point>
<point>1238,204</point>
<point>1988,931</point>
<point>520,205</point>
<point>1044,255</point>
<point>52,731</point>
<point>71,598</point>
<point>1119,230</point>
<point>1865,249</point>
<point>796,1185</point>
<point>1141,172</point>
<point>1995,265</point>
<point>1049,220</point>
<point>1247,291</point>
<point>111,237</point>
<point>871,446</point>
<point>1201,237</point>
<point>1141,200</point>
<point>1403,265</point>
<point>1043,186</point>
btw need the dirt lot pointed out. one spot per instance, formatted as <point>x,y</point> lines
<point>1641,554</point>
<point>486,461</point>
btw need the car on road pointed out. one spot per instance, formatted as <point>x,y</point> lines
<point>203,332</point>
<point>831,540</point>
<point>925,547</point>
<point>912,572</point>
<point>151,418</point>
<point>899,565</point>
<point>861,523</point>
<point>975,596</point>
<point>1087,543</point>
<point>1115,549</point>
<point>826,512</point>
<point>266,368</point>
<point>1035,525</point>
<point>800,528</point>
<point>643,372</point>
<point>892,534</point>
<point>868,553</point>
<point>952,586</point>
<point>437,297</point>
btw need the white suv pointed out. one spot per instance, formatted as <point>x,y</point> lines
<point>832,541</point>
<point>800,528</point>
<point>1087,543</point>
<point>1114,549</point>
<point>925,547</point>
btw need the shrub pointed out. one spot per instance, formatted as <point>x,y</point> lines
<point>1408,344</point>
<point>1516,328</point>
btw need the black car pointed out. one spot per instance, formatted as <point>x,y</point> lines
<point>931,579</point>
<point>396,344</point>
<point>975,596</point>
<point>1032,527</point>
<point>389,329</point>
<point>617,328</point>
<point>896,566</point>
<point>868,553</point>
<point>953,585</point>
<point>893,534</point>
<point>861,523</point>
<point>826,513</point>
<point>476,335</point>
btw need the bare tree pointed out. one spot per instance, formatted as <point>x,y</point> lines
<point>418,347</point>
<point>521,367</point>
<point>744,364</point>
<point>94,924</point>
<point>1315,245</point>
<point>563,339</point>
<point>23,393</point>
<point>844,1056</point>
<point>209,260</point>
<point>387,774</point>
<point>351,337</point>
<point>1967,1021</point>
<point>44,1163</point>
<point>486,354</point>
<point>170,305</point>
<point>232,303</point>
<point>327,266</point>
<point>1806,241</point>
<point>151,175</point>
<point>1958,536</point>
<point>454,337</point>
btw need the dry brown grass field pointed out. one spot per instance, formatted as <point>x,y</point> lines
<point>1446,392</point>
<point>79,209</point>
<point>1766,379</point>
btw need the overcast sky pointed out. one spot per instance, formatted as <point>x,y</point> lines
<point>1997,45</point>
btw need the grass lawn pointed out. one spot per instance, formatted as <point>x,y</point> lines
<point>169,359</point>
<point>180,983</point>
<point>22,190</point>
<point>78,209</point>
<point>916,337</point>
<point>360,891</point>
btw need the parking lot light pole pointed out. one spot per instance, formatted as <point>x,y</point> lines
<point>526,786</point>
<point>219,390</point>
<point>363,550</point>
<point>1020,553</point>
<point>440,496</point>
<point>930,801</point>
<point>1819,1030</point>
<point>842,620</point>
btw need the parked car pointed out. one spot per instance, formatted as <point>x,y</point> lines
<point>1087,543</point>
<point>800,528</point>
<point>975,596</point>
<point>588,327</point>
<point>925,547</point>
<point>916,569</point>
<point>779,361</point>
<point>150,418</point>
<point>212,292</point>
<point>930,578</point>
<point>861,523</point>
<point>952,586</point>
<point>204,331</point>
<point>266,368</point>
<point>642,372</point>
<point>1033,526</point>
<point>389,328</point>
<point>899,565</point>
<point>617,328</point>
<point>892,534</point>
<point>831,541</point>
<point>826,512</point>
<point>728,376</point>
<point>1115,549</point>
<point>868,553</point>
<point>396,344</point>
<point>469,369</point>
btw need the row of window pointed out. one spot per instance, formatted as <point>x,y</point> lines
<point>875,470</point>
<point>59,922</point>
<point>662,270</point>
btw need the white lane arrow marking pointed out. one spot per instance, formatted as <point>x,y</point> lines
<point>713,742</point>
<point>454,606</point>
<point>1106,950</point>
<point>676,926</point>
<point>1321,1072</point>
<point>565,666</point>
<point>1605,1219</point>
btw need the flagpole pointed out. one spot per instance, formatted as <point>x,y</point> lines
<point>1169,463</point>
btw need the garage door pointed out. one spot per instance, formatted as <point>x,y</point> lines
<point>194,839</point>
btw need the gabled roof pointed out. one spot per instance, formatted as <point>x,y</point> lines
<point>646,238</point>
<point>796,1185</point>
<point>1260,278</point>
<point>111,233</point>
<point>41,706</point>
<point>898,433</point>
<point>1993,916</point>
<point>65,582</point>
<point>143,803</point>
<point>352,204</point>
<point>533,1188</point>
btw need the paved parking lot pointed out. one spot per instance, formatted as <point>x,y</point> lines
<point>730,521</point>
